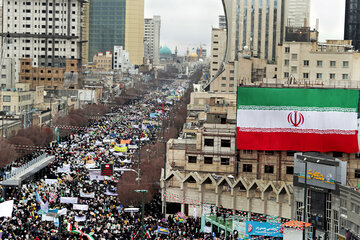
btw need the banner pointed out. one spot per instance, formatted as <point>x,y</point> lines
<point>51,181</point>
<point>120,149</point>
<point>82,207</point>
<point>64,169</point>
<point>6,208</point>
<point>80,218</point>
<point>62,211</point>
<point>125,141</point>
<point>68,199</point>
<point>254,228</point>
<point>96,175</point>
<point>87,195</point>
<point>322,120</point>
<point>47,218</point>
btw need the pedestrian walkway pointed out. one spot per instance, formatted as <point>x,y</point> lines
<point>16,177</point>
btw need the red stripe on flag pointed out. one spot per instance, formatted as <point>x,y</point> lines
<point>288,141</point>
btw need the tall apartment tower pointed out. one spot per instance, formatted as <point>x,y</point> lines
<point>46,31</point>
<point>107,25</point>
<point>254,25</point>
<point>297,13</point>
<point>352,22</point>
<point>117,23</point>
<point>152,40</point>
<point>134,31</point>
<point>222,21</point>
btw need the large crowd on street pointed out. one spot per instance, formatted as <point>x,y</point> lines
<point>71,194</point>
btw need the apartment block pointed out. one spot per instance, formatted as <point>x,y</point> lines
<point>152,40</point>
<point>46,31</point>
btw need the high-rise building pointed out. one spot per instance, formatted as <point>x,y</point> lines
<point>297,13</point>
<point>134,31</point>
<point>107,25</point>
<point>218,46</point>
<point>85,28</point>
<point>352,22</point>
<point>46,31</point>
<point>117,22</point>
<point>222,22</point>
<point>257,26</point>
<point>152,39</point>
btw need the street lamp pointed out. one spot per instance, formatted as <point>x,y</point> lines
<point>143,191</point>
<point>305,196</point>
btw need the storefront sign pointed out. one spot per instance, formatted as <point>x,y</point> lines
<point>264,229</point>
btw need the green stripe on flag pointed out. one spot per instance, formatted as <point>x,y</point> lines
<point>330,99</point>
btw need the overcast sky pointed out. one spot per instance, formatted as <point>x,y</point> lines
<point>187,23</point>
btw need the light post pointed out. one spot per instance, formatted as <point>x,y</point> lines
<point>148,152</point>
<point>143,191</point>
<point>305,196</point>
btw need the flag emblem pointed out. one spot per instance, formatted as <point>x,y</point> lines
<point>296,118</point>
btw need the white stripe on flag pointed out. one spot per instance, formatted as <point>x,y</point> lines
<point>312,120</point>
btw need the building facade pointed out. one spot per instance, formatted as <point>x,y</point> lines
<point>297,13</point>
<point>134,31</point>
<point>222,22</point>
<point>47,32</point>
<point>103,62</point>
<point>152,40</point>
<point>218,47</point>
<point>49,77</point>
<point>333,63</point>
<point>107,25</point>
<point>352,22</point>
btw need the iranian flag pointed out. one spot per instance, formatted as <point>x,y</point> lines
<point>323,120</point>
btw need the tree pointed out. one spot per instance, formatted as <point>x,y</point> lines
<point>7,153</point>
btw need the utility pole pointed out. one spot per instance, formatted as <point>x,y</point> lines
<point>164,177</point>
<point>305,196</point>
<point>139,165</point>
<point>142,211</point>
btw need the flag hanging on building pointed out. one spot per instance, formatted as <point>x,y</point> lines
<point>322,120</point>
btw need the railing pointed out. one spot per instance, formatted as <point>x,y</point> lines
<point>25,166</point>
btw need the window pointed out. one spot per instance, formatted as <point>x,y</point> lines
<point>319,63</point>
<point>332,63</point>
<point>294,56</point>
<point>6,98</point>
<point>286,62</point>
<point>247,167</point>
<point>248,151</point>
<point>286,74</point>
<point>357,155</point>
<point>209,142</point>
<point>225,143</point>
<point>225,161</point>
<point>332,75</point>
<point>208,160</point>
<point>337,154</point>
<point>289,170</point>
<point>357,173</point>
<point>345,64</point>
<point>223,85</point>
<point>293,69</point>
<point>290,153</point>
<point>269,153</point>
<point>306,62</point>
<point>6,108</point>
<point>269,169</point>
<point>192,159</point>
<point>345,76</point>
<point>319,75</point>
<point>305,75</point>
<point>287,49</point>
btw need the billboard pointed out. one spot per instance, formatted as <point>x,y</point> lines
<point>264,229</point>
<point>321,172</point>
<point>297,119</point>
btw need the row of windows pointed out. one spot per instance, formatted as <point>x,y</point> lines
<point>319,63</point>
<point>209,160</point>
<point>267,169</point>
<point>345,76</point>
<point>43,4</point>
<point>42,79</point>
<point>224,142</point>
<point>291,153</point>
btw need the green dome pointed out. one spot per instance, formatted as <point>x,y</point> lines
<point>165,51</point>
